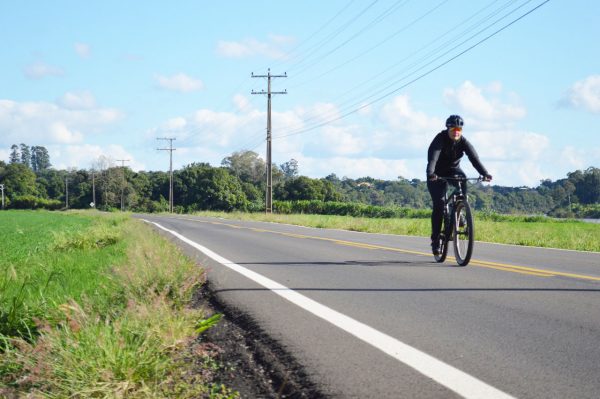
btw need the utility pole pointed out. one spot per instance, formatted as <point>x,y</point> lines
<point>123,182</point>
<point>93,188</point>
<point>170,149</point>
<point>269,193</point>
<point>2,189</point>
<point>67,192</point>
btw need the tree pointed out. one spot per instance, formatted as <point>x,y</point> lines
<point>40,159</point>
<point>19,180</point>
<point>290,169</point>
<point>305,188</point>
<point>589,191</point>
<point>34,158</point>
<point>25,155</point>
<point>246,165</point>
<point>51,183</point>
<point>15,156</point>
<point>202,187</point>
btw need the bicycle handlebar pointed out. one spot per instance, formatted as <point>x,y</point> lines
<point>461,178</point>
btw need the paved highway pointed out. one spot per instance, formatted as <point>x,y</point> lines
<point>373,316</point>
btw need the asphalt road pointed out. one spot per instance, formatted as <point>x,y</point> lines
<point>373,316</point>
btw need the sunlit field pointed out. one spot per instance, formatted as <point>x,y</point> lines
<point>519,230</point>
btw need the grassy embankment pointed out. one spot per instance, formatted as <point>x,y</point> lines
<point>518,230</point>
<point>88,308</point>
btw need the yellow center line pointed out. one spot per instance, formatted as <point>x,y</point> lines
<point>355,244</point>
<point>474,262</point>
<point>536,270</point>
<point>508,269</point>
<point>295,235</point>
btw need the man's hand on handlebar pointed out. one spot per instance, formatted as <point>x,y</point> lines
<point>487,178</point>
<point>432,177</point>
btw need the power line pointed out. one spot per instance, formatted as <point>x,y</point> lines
<point>374,22</point>
<point>385,81</point>
<point>296,48</point>
<point>387,94</point>
<point>331,36</point>
<point>371,48</point>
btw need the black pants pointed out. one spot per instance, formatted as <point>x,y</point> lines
<point>437,190</point>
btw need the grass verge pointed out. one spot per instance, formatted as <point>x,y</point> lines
<point>527,231</point>
<point>89,308</point>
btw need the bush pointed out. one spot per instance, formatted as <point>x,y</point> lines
<point>591,211</point>
<point>33,202</point>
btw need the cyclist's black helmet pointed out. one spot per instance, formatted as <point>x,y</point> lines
<point>454,121</point>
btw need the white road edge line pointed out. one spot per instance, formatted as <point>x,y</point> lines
<point>443,373</point>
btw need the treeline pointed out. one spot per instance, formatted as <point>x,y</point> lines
<point>239,184</point>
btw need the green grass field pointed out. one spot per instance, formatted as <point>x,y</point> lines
<point>565,234</point>
<point>96,305</point>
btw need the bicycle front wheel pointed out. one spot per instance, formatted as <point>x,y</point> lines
<point>463,233</point>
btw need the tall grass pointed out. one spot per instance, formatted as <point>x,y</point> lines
<point>518,230</point>
<point>97,306</point>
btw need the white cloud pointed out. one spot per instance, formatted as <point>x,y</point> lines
<point>78,100</point>
<point>405,129</point>
<point>400,115</point>
<point>39,70</point>
<point>83,156</point>
<point>46,123</point>
<point>579,158</point>
<point>241,102</point>
<point>214,129</point>
<point>585,94</point>
<point>509,146</point>
<point>317,113</point>
<point>341,141</point>
<point>60,133</point>
<point>250,47</point>
<point>365,110</point>
<point>281,39</point>
<point>484,107</point>
<point>175,124</point>
<point>179,82</point>
<point>83,50</point>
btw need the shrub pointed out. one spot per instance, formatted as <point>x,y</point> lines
<point>33,202</point>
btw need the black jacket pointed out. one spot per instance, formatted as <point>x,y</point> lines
<point>444,155</point>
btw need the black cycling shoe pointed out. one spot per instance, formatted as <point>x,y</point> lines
<point>435,247</point>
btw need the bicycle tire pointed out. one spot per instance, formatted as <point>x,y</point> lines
<point>441,257</point>
<point>464,233</point>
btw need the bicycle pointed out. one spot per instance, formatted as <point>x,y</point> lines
<point>457,224</point>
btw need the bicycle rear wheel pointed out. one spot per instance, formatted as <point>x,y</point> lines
<point>463,233</point>
<point>443,249</point>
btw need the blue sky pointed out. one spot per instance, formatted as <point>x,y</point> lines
<point>104,79</point>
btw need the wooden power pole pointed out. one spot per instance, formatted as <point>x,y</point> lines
<point>170,149</point>
<point>269,193</point>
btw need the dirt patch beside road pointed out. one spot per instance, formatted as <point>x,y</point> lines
<point>252,363</point>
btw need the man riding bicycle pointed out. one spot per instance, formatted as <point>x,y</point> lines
<point>443,159</point>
